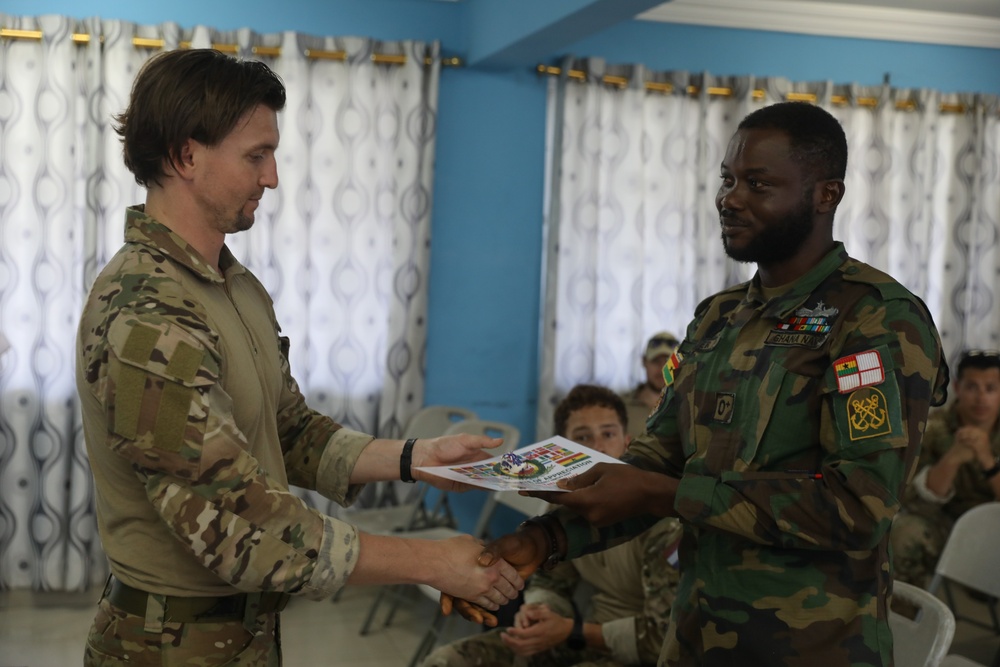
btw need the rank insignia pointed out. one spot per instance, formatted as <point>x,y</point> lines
<point>867,414</point>
<point>854,371</point>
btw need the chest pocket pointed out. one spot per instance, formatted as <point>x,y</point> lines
<point>755,420</point>
<point>786,417</point>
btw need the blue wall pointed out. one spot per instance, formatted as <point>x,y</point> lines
<point>486,241</point>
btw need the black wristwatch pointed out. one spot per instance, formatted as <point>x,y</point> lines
<point>576,640</point>
<point>992,472</point>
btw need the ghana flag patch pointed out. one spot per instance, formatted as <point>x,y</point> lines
<point>854,371</point>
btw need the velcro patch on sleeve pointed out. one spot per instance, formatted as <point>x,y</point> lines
<point>864,369</point>
<point>185,362</point>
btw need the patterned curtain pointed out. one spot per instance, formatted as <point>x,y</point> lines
<point>632,237</point>
<point>342,245</point>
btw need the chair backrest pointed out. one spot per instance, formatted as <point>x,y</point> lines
<point>922,641</point>
<point>968,555</point>
<point>510,434</point>
<point>434,420</point>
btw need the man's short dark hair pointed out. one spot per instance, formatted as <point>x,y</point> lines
<point>978,359</point>
<point>584,396</point>
<point>186,94</point>
<point>817,138</point>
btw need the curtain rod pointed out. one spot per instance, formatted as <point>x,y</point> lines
<point>146,43</point>
<point>758,94</point>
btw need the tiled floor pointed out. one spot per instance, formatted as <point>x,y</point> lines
<point>48,631</point>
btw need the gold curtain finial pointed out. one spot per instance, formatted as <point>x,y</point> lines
<point>757,94</point>
<point>269,51</point>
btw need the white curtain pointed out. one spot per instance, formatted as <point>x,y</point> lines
<point>632,235</point>
<point>342,245</point>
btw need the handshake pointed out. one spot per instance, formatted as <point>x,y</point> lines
<point>538,542</point>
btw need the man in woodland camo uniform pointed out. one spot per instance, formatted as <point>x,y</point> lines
<point>193,423</point>
<point>633,584</point>
<point>959,468</point>
<point>787,435</point>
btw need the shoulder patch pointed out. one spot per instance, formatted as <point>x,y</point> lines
<point>854,371</point>
<point>867,414</point>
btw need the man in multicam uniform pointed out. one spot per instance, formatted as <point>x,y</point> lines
<point>959,468</point>
<point>633,584</point>
<point>193,423</point>
<point>787,435</point>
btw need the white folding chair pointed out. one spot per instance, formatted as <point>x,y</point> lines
<point>968,559</point>
<point>413,513</point>
<point>924,640</point>
<point>956,660</point>
<point>390,516</point>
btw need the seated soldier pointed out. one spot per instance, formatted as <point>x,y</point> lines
<point>633,583</point>
<point>958,469</point>
<point>641,400</point>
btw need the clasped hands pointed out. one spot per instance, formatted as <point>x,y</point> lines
<point>971,444</point>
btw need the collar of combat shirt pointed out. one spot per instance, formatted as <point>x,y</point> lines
<point>785,304</point>
<point>145,230</point>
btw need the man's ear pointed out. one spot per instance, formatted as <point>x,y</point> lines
<point>829,194</point>
<point>182,162</point>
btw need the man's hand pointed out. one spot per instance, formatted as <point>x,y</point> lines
<point>536,629</point>
<point>489,584</point>
<point>977,442</point>
<point>525,550</point>
<point>609,492</point>
<point>451,450</point>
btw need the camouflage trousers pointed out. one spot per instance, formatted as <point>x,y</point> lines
<point>119,638</point>
<point>917,540</point>
<point>488,650</point>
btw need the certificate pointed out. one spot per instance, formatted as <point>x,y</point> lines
<point>536,467</point>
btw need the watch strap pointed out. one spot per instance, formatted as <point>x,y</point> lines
<point>576,640</point>
<point>543,522</point>
<point>406,461</point>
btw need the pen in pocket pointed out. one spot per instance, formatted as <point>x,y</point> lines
<point>805,474</point>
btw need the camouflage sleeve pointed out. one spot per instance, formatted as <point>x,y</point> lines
<point>937,440</point>
<point>315,459</point>
<point>867,441</point>
<point>660,576</point>
<point>554,588</point>
<point>170,418</point>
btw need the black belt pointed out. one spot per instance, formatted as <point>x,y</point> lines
<point>195,609</point>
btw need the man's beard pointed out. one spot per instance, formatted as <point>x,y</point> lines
<point>243,222</point>
<point>776,243</point>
